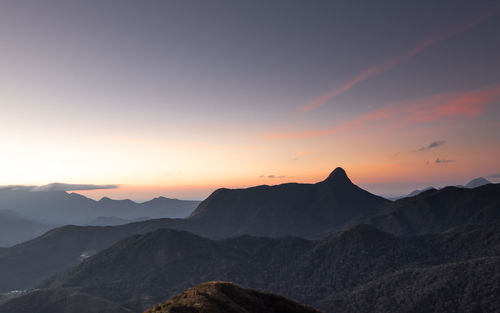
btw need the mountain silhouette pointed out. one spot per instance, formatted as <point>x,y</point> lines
<point>304,210</point>
<point>435,211</point>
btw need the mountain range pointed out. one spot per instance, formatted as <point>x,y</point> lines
<point>330,245</point>
<point>476,182</point>
<point>430,212</point>
<point>38,210</point>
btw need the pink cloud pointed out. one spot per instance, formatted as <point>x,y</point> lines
<point>388,65</point>
<point>406,113</point>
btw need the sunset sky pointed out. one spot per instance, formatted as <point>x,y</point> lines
<point>178,98</point>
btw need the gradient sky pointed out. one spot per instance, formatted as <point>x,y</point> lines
<point>178,98</point>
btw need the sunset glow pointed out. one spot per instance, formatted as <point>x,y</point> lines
<point>168,100</point>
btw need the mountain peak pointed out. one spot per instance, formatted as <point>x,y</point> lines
<point>338,175</point>
<point>480,181</point>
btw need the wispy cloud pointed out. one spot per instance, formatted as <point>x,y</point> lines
<point>388,65</point>
<point>470,103</point>
<point>438,161</point>
<point>60,187</point>
<point>497,175</point>
<point>432,145</point>
<point>272,176</point>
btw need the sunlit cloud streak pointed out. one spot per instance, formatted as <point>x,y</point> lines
<point>397,115</point>
<point>388,65</point>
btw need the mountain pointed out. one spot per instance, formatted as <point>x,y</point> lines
<point>146,269</point>
<point>416,192</point>
<point>304,210</point>
<point>435,211</point>
<point>59,207</point>
<point>226,297</point>
<point>62,248</point>
<point>477,182</point>
<point>108,221</point>
<point>61,301</point>
<point>467,286</point>
<point>15,228</point>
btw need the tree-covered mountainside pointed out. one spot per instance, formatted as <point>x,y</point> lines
<point>146,269</point>
<point>435,211</point>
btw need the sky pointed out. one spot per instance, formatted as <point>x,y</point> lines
<point>179,98</point>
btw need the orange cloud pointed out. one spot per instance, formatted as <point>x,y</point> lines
<point>388,65</point>
<point>469,103</point>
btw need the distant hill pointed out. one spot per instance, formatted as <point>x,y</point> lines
<point>435,211</point>
<point>419,191</point>
<point>477,182</point>
<point>59,207</point>
<point>108,221</point>
<point>146,269</point>
<point>226,297</point>
<point>304,210</point>
<point>15,228</point>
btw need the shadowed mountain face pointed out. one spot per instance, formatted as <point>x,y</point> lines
<point>225,297</point>
<point>435,211</point>
<point>26,264</point>
<point>467,286</point>
<point>304,210</point>
<point>146,269</point>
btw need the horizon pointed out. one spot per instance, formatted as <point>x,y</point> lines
<point>176,100</point>
<point>119,192</point>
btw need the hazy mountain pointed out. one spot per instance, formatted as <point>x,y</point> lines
<point>226,297</point>
<point>146,269</point>
<point>108,221</point>
<point>15,228</point>
<point>59,207</point>
<point>416,192</point>
<point>436,211</point>
<point>304,210</point>
<point>477,182</point>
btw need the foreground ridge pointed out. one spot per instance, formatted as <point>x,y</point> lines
<point>226,297</point>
